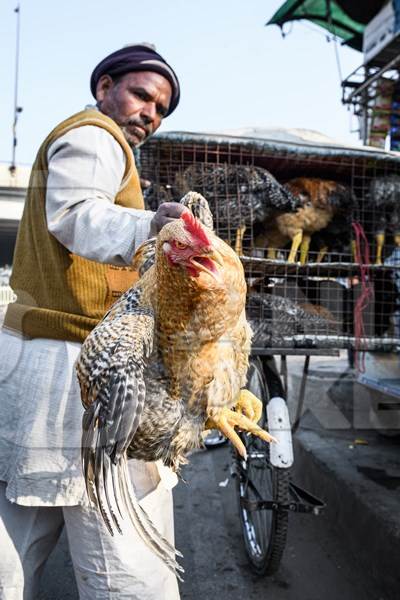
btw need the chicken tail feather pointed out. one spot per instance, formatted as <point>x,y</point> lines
<point>109,488</point>
<point>143,524</point>
<point>87,451</point>
<point>107,472</point>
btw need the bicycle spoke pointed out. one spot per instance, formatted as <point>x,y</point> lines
<point>264,530</point>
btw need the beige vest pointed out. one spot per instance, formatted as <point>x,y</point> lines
<point>59,294</point>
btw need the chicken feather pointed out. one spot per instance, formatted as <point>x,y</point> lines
<point>320,202</point>
<point>383,212</point>
<point>239,195</point>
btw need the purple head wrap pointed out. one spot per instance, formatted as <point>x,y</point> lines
<point>140,57</point>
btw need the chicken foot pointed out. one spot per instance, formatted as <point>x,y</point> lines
<point>225,420</point>
<point>249,405</point>
<point>296,241</point>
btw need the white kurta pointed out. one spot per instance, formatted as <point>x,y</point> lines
<point>40,426</point>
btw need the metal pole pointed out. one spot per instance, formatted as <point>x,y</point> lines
<point>17,109</point>
<point>364,109</point>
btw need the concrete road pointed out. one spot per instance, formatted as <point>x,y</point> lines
<point>316,564</point>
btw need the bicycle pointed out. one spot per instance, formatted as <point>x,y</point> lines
<point>264,488</point>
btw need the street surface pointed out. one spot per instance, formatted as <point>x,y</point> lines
<point>316,564</point>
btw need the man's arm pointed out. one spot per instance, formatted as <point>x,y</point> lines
<point>86,167</point>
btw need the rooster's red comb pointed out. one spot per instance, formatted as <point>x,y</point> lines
<point>195,228</point>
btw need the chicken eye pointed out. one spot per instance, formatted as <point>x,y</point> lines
<point>180,245</point>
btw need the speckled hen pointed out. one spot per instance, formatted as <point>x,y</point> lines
<point>168,360</point>
<point>239,196</point>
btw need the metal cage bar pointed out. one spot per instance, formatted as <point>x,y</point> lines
<point>346,297</point>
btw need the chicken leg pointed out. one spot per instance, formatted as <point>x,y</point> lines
<point>304,248</point>
<point>353,251</point>
<point>322,253</point>
<point>380,240</point>
<point>296,241</point>
<point>240,231</point>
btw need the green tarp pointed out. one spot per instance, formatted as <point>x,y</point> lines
<point>329,14</point>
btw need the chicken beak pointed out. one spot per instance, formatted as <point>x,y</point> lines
<point>208,264</point>
<point>216,257</point>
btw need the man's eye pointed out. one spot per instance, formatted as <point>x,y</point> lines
<point>180,245</point>
<point>141,94</point>
<point>162,111</point>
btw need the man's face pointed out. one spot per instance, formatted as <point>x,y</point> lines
<point>137,101</point>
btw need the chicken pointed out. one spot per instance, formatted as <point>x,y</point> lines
<point>239,196</point>
<point>383,209</point>
<point>335,239</point>
<point>274,317</point>
<point>168,360</point>
<point>320,201</point>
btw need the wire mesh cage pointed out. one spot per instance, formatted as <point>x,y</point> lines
<point>317,228</point>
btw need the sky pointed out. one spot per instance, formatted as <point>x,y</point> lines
<point>234,71</point>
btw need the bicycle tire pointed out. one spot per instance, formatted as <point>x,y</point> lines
<point>264,531</point>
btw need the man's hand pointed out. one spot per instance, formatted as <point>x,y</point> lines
<point>167,212</point>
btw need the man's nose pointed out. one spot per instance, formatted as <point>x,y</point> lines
<point>148,112</point>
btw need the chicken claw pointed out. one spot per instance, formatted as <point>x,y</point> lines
<point>226,420</point>
<point>249,405</point>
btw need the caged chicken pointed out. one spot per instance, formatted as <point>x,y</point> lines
<point>335,239</point>
<point>383,207</point>
<point>321,201</point>
<point>168,360</point>
<point>274,318</point>
<point>155,194</point>
<point>239,196</point>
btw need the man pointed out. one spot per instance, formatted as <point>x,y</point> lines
<point>83,220</point>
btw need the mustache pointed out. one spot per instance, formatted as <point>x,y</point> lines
<point>138,123</point>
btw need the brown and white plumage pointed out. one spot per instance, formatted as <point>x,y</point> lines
<point>240,196</point>
<point>320,202</point>
<point>170,354</point>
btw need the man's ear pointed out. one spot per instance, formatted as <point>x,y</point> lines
<point>104,85</point>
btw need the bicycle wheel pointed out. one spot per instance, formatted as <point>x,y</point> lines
<point>264,531</point>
